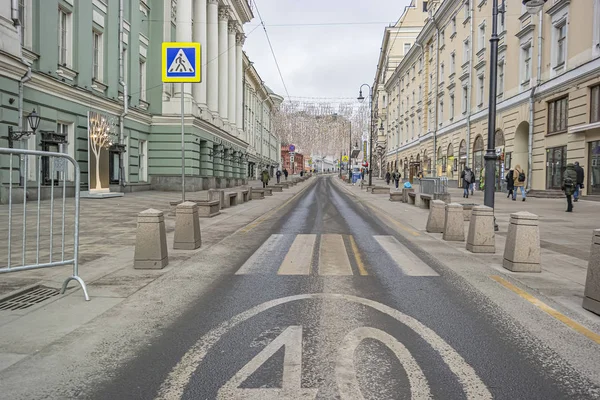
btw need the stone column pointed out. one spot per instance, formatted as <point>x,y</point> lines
<point>239,94</point>
<point>227,164</point>
<point>200,36</point>
<point>223,63</point>
<point>206,165</point>
<point>232,75</point>
<point>217,161</point>
<point>184,34</point>
<point>212,55</point>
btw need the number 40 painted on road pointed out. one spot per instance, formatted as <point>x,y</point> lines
<point>347,382</point>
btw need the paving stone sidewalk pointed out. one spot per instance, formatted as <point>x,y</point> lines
<point>565,239</point>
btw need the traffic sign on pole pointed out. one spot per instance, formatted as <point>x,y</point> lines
<point>181,62</point>
<point>292,148</point>
<point>344,158</point>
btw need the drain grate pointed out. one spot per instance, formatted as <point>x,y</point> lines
<point>28,298</point>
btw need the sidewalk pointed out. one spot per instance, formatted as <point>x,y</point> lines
<point>107,237</point>
<point>565,242</point>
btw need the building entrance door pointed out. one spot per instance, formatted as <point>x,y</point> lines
<point>594,168</point>
<point>556,162</point>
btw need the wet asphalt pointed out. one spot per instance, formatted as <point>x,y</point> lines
<point>381,336</point>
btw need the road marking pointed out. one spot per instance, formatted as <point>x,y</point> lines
<point>176,382</point>
<point>359,262</point>
<point>549,310</point>
<point>333,257</point>
<point>299,258</point>
<point>264,217</point>
<point>345,371</point>
<point>386,219</point>
<point>262,256</point>
<point>291,387</point>
<point>406,260</point>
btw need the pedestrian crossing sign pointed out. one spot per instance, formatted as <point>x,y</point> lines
<point>181,62</point>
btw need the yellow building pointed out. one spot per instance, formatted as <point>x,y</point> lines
<point>548,93</point>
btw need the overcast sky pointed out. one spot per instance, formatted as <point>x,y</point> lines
<point>320,61</point>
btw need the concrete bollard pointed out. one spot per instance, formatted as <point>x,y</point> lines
<point>405,192</point>
<point>151,241</point>
<point>454,229</point>
<point>522,249</point>
<point>418,200</point>
<point>187,227</point>
<point>435,222</point>
<point>591,299</point>
<point>481,237</point>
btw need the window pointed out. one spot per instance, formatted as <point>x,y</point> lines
<point>595,104</point>
<point>501,23</point>
<point>22,20</point>
<point>453,25</point>
<point>558,115</point>
<point>451,106</point>
<point>420,64</point>
<point>412,127</point>
<point>424,6</point>
<point>430,82</point>
<point>500,88</point>
<point>452,63</point>
<point>526,54</point>
<point>480,89</point>
<point>420,93</point>
<point>430,119</point>
<point>97,56</point>
<point>413,99</point>
<point>466,9</point>
<point>68,131</point>
<point>143,80</point>
<point>561,45</point>
<point>465,99</point>
<point>406,48</point>
<point>431,51</point>
<point>466,55</point>
<point>481,36</point>
<point>442,72</point>
<point>441,113</point>
<point>64,40</point>
<point>442,38</point>
<point>414,71</point>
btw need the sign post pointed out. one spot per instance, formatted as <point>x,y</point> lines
<point>181,63</point>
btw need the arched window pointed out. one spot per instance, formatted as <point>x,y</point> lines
<point>499,139</point>
<point>478,153</point>
<point>452,162</point>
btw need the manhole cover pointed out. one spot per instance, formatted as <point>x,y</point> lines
<point>28,298</point>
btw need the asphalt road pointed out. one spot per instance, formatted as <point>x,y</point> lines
<point>327,302</point>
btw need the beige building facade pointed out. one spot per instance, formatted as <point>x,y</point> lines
<point>548,93</point>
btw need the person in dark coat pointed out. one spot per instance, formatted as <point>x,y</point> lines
<point>285,173</point>
<point>278,175</point>
<point>510,183</point>
<point>569,184</point>
<point>388,177</point>
<point>468,178</point>
<point>580,178</point>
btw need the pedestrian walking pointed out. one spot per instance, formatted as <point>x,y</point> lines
<point>580,178</point>
<point>569,184</point>
<point>510,183</point>
<point>388,177</point>
<point>265,178</point>
<point>285,173</point>
<point>396,178</point>
<point>519,182</point>
<point>467,177</point>
<point>362,174</point>
<point>278,175</point>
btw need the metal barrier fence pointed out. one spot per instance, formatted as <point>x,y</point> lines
<point>55,167</point>
<point>434,185</point>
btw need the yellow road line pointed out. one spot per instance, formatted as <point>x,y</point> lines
<point>265,216</point>
<point>361,266</point>
<point>549,310</point>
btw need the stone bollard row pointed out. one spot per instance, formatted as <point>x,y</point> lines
<point>591,299</point>
<point>187,227</point>
<point>522,250</point>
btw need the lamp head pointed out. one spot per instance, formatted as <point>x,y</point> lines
<point>34,120</point>
<point>534,6</point>
<point>360,97</point>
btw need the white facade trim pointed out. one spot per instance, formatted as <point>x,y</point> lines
<point>100,5</point>
<point>583,127</point>
<point>98,18</point>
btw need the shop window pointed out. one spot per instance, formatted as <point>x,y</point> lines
<point>558,115</point>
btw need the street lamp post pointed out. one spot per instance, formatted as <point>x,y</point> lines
<point>361,99</point>
<point>490,155</point>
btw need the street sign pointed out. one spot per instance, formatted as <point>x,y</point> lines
<point>181,62</point>
<point>344,158</point>
<point>292,148</point>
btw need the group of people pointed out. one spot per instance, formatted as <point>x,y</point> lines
<point>515,182</point>
<point>265,177</point>
<point>395,176</point>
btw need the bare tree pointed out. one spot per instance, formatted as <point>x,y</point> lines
<point>101,136</point>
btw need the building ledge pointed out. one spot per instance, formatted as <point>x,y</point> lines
<point>584,127</point>
<point>66,73</point>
